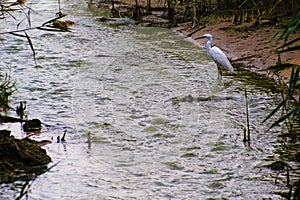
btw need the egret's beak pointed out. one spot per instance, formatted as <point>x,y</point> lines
<point>201,37</point>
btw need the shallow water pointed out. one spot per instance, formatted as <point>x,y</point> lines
<point>140,125</point>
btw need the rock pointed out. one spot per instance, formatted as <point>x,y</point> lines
<point>32,125</point>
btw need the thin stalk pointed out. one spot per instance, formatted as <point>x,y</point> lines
<point>247,131</point>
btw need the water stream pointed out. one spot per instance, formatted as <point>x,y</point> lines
<point>134,101</point>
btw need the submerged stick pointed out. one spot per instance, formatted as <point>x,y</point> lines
<point>247,130</point>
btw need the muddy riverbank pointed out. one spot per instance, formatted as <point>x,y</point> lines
<point>253,49</point>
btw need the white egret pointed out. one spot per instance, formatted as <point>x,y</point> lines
<point>217,55</point>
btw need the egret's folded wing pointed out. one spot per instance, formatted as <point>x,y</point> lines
<point>220,58</point>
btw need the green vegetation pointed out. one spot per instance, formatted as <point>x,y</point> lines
<point>239,10</point>
<point>7,87</point>
<point>290,104</point>
<point>290,91</point>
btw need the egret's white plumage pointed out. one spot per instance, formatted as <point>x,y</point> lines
<point>217,55</point>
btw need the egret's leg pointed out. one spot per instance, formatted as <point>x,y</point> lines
<point>219,72</point>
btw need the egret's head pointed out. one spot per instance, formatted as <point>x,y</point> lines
<point>207,36</point>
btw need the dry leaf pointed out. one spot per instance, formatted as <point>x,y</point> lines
<point>18,2</point>
<point>64,25</point>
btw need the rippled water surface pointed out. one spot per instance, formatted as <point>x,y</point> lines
<point>140,125</point>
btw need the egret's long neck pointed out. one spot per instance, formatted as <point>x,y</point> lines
<point>208,45</point>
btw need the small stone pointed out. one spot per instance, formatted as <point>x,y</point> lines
<point>32,125</point>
